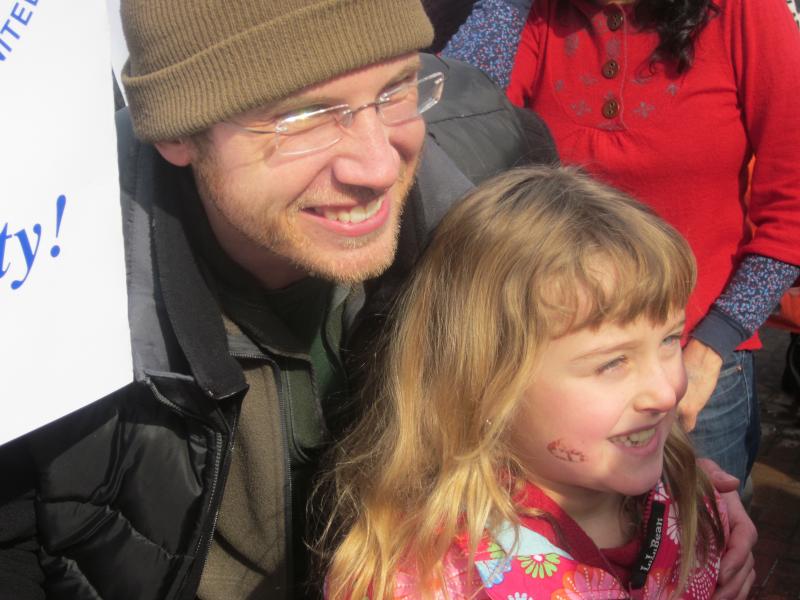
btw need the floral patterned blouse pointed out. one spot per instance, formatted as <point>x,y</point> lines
<point>553,558</point>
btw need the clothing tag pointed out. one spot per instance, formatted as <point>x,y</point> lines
<point>652,541</point>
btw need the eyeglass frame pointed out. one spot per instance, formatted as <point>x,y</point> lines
<point>341,116</point>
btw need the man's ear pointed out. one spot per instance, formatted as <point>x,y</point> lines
<point>179,152</point>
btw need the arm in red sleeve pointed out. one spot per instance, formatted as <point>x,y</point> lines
<point>765,49</point>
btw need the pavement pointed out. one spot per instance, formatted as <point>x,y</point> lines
<point>775,507</point>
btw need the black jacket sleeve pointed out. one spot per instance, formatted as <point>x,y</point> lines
<point>21,577</point>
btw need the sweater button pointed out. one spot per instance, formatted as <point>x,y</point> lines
<point>610,69</point>
<point>610,108</point>
<point>615,20</point>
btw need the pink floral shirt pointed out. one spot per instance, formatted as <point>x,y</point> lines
<point>531,561</point>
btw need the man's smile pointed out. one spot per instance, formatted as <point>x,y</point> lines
<point>354,221</point>
<point>355,214</point>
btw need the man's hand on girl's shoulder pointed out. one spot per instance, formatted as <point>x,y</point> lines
<point>737,568</point>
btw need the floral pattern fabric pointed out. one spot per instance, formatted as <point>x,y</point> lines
<point>526,563</point>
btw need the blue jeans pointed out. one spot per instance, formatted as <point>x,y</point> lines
<point>728,428</point>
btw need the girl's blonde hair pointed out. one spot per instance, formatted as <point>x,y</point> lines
<point>528,256</point>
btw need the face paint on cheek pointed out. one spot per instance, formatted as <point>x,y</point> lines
<point>560,451</point>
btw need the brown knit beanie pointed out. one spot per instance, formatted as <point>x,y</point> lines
<point>194,63</point>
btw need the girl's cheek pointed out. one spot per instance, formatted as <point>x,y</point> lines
<point>562,451</point>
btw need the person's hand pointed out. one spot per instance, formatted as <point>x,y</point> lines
<point>736,571</point>
<point>702,371</point>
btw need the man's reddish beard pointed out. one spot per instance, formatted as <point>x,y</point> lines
<point>211,187</point>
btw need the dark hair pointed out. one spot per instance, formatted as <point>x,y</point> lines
<point>678,23</point>
<point>446,16</point>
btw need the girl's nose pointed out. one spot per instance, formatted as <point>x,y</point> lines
<point>663,385</point>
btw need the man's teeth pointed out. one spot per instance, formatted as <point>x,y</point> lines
<point>640,438</point>
<point>354,215</point>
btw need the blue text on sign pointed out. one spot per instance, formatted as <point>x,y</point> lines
<point>14,26</point>
<point>28,245</point>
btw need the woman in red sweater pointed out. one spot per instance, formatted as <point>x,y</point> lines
<point>669,101</point>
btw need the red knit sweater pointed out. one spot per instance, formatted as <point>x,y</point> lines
<point>680,143</point>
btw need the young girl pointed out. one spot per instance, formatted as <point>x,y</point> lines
<point>522,439</point>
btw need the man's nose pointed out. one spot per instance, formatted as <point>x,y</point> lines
<point>365,156</point>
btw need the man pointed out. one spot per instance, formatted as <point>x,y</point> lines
<point>280,188</point>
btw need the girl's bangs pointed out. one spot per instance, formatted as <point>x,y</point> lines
<point>619,279</point>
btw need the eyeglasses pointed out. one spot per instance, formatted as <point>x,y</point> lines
<point>317,129</point>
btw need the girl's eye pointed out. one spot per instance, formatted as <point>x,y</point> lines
<point>612,364</point>
<point>672,340</point>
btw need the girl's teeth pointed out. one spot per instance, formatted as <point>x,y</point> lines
<point>357,214</point>
<point>640,438</point>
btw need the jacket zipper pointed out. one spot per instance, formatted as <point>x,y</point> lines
<point>214,482</point>
<point>166,402</point>
<point>232,445</point>
<point>218,447</point>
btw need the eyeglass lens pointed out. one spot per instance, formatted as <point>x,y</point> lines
<point>322,129</point>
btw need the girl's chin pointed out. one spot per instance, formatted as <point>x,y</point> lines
<point>636,484</point>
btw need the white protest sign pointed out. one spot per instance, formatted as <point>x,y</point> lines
<point>119,50</point>
<point>63,307</point>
